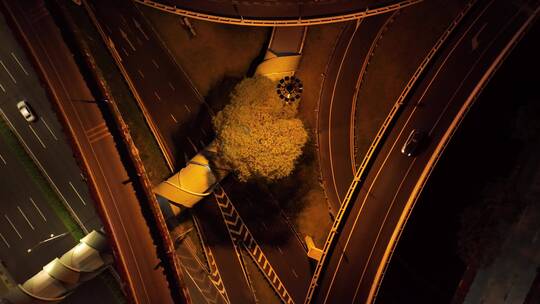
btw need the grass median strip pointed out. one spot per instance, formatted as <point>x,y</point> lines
<point>37,178</point>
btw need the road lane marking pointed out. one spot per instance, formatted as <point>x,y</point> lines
<point>27,220</point>
<point>19,63</point>
<point>279,249</point>
<point>155,64</point>
<point>2,87</point>
<point>39,139</point>
<point>48,128</point>
<point>3,160</point>
<point>174,118</point>
<point>382,227</point>
<point>331,105</point>
<point>94,128</point>
<point>187,108</point>
<point>382,166</point>
<point>124,35</point>
<point>294,273</point>
<point>77,192</point>
<point>139,27</point>
<point>42,169</point>
<point>125,52</point>
<point>5,241</point>
<point>37,208</point>
<point>13,226</point>
<point>171,86</point>
<point>192,144</point>
<point>157,96</point>
<point>9,73</point>
<point>140,73</point>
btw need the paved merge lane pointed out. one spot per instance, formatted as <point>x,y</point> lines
<point>356,260</point>
<point>346,68</point>
<point>44,138</point>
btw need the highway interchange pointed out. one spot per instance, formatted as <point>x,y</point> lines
<point>180,120</point>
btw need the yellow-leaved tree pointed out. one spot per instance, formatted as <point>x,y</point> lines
<point>258,134</point>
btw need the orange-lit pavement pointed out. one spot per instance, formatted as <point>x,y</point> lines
<point>133,245</point>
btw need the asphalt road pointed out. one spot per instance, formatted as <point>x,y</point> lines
<point>181,119</point>
<point>176,109</point>
<point>357,261</point>
<point>277,10</point>
<point>45,137</point>
<point>26,219</point>
<point>336,111</point>
<point>135,252</point>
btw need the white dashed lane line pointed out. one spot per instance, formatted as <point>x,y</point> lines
<point>19,63</point>
<point>26,218</point>
<point>5,241</point>
<point>2,87</point>
<point>9,73</point>
<point>13,226</point>
<point>174,118</point>
<point>39,139</point>
<point>48,128</point>
<point>187,108</point>
<point>37,208</point>
<point>3,160</point>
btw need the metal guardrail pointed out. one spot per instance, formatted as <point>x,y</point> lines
<point>381,271</point>
<point>374,146</point>
<point>249,21</point>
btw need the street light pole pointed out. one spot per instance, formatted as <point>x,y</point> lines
<point>51,238</point>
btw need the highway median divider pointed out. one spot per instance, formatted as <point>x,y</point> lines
<point>131,158</point>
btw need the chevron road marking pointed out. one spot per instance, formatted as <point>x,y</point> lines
<point>240,234</point>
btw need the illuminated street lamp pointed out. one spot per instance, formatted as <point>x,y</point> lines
<point>289,89</point>
<point>51,238</point>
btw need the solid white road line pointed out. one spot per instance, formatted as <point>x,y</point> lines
<point>3,160</point>
<point>5,241</point>
<point>37,208</point>
<point>13,226</point>
<point>77,192</point>
<point>48,128</point>
<point>9,73</point>
<point>19,63</point>
<point>39,139</point>
<point>26,218</point>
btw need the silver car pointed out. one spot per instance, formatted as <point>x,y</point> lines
<point>26,111</point>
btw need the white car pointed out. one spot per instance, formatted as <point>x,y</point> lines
<point>26,111</point>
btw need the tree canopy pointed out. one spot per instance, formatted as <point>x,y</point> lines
<point>257,133</point>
